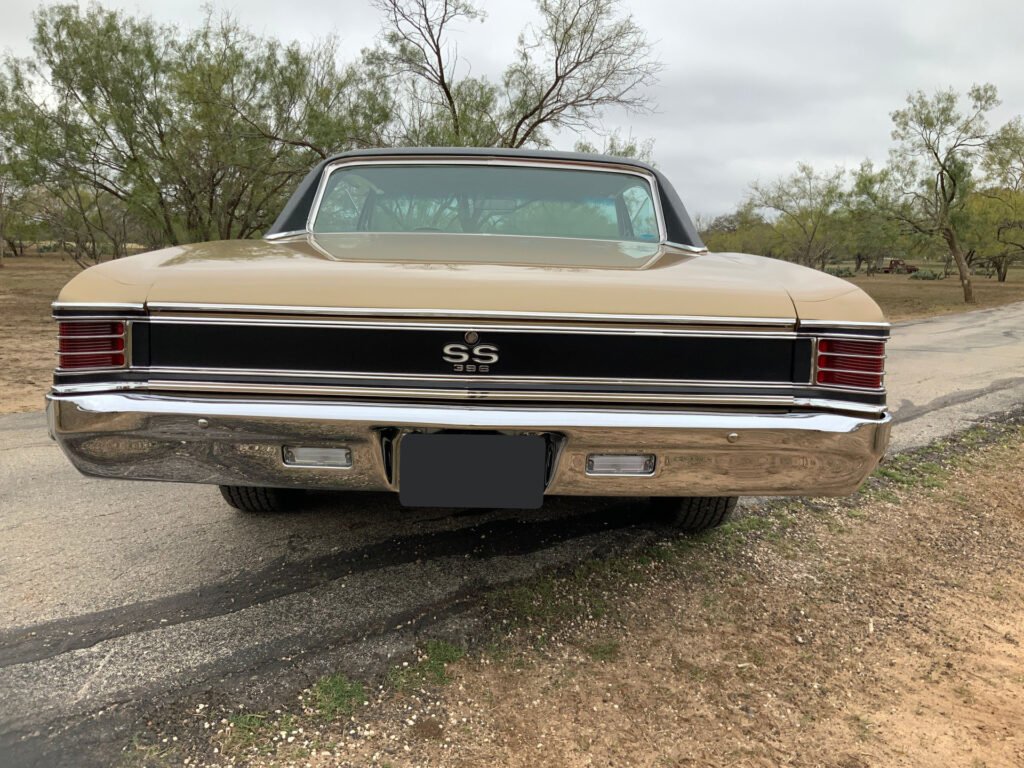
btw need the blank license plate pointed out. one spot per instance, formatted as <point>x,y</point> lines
<point>495,471</point>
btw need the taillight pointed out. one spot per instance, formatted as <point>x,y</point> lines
<point>91,344</point>
<point>843,363</point>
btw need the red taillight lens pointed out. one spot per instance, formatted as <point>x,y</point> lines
<point>843,363</point>
<point>91,344</point>
<point>843,347</point>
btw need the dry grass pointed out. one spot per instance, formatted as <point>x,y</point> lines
<point>891,638</point>
<point>904,299</point>
<point>816,633</point>
<point>28,285</point>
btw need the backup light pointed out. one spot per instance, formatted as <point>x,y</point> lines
<point>620,464</point>
<point>313,456</point>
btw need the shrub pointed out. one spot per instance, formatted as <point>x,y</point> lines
<point>927,274</point>
<point>840,271</point>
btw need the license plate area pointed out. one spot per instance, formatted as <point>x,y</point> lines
<point>472,470</point>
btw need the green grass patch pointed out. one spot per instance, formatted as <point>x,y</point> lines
<point>337,695</point>
<point>244,733</point>
<point>604,650</point>
<point>914,470</point>
<point>147,755</point>
<point>431,669</point>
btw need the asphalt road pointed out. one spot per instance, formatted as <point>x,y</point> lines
<point>121,600</point>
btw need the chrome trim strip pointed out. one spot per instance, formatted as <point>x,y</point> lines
<point>850,354</point>
<point>655,245</point>
<point>283,235</point>
<point>103,386</point>
<point>652,182</point>
<point>685,247</point>
<point>841,336</point>
<point>92,318</point>
<point>89,371</point>
<point>844,324</point>
<point>94,352</point>
<point>852,370</point>
<point>390,393</point>
<point>461,326</point>
<point>525,417</point>
<point>824,404</point>
<point>462,380</point>
<point>848,388</point>
<point>176,306</point>
<point>62,337</point>
<point>95,305</point>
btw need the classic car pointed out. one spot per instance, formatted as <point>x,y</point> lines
<point>473,328</point>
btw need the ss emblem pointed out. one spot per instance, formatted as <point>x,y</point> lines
<point>477,358</point>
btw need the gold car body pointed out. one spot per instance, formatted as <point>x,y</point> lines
<point>228,422</point>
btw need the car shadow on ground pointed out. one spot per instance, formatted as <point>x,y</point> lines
<point>410,536</point>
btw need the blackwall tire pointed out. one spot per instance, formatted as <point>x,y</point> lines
<point>258,501</point>
<point>694,514</point>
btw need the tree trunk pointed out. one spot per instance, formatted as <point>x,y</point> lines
<point>949,234</point>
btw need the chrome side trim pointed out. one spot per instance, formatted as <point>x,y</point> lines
<point>652,182</point>
<point>176,306</point>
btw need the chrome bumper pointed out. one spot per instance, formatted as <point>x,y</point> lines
<point>239,442</point>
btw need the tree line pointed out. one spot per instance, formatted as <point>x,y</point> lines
<point>952,189</point>
<point>121,133</point>
<point>118,131</point>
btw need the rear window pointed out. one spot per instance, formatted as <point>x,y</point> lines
<point>488,199</point>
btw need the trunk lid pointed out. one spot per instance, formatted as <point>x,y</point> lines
<point>458,274</point>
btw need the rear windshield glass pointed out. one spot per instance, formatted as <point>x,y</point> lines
<point>488,199</point>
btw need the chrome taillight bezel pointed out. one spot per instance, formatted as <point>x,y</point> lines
<point>90,333</point>
<point>860,352</point>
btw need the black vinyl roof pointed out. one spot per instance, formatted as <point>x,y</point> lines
<point>679,227</point>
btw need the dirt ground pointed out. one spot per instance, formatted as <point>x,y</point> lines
<point>28,343</point>
<point>894,641</point>
<point>880,632</point>
<point>904,299</point>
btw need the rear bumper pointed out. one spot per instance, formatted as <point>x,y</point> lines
<point>233,441</point>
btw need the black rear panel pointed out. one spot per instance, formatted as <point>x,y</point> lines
<point>422,352</point>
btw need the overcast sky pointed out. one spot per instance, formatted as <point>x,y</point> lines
<point>748,88</point>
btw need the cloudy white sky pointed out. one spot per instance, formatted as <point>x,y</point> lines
<point>749,87</point>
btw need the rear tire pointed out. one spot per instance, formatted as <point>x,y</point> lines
<point>258,501</point>
<point>693,514</point>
